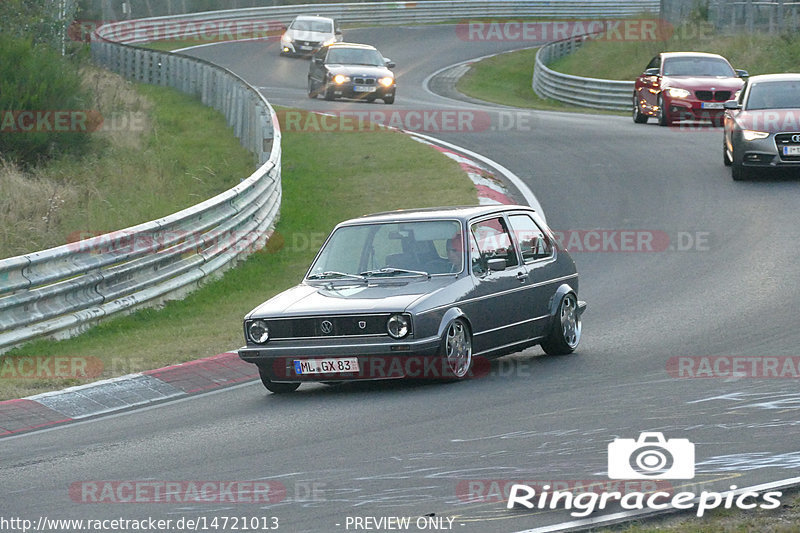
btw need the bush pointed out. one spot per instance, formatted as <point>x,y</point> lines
<point>42,105</point>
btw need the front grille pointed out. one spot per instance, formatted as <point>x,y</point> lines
<point>340,326</point>
<point>715,96</point>
<point>785,139</point>
<point>308,43</point>
<point>364,81</point>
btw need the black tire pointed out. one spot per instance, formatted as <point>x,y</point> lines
<point>638,116</point>
<point>277,388</point>
<point>662,115</point>
<point>329,95</point>
<point>456,351</point>
<point>739,172</point>
<point>565,329</point>
<point>312,91</point>
<point>388,99</point>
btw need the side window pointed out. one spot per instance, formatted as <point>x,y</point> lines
<point>654,63</point>
<point>494,242</point>
<point>533,242</point>
<point>320,54</point>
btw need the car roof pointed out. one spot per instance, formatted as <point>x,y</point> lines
<point>690,54</point>
<point>312,17</point>
<point>435,213</point>
<point>787,76</point>
<point>352,45</point>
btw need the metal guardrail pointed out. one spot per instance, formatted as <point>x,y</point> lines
<point>65,290</point>
<point>585,92</point>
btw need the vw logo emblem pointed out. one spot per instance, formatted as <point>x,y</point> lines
<point>362,324</point>
<point>796,138</point>
<point>326,326</point>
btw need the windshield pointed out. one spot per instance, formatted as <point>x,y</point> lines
<point>774,95</point>
<point>355,56</point>
<point>391,250</point>
<point>319,26</point>
<point>697,66</point>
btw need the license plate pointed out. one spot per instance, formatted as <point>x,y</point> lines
<point>791,150</point>
<point>325,366</point>
<point>303,47</point>
<point>712,105</point>
<point>364,89</point>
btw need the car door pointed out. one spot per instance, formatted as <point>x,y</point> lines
<point>538,256</point>
<point>648,85</point>
<point>317,68</point>
<point>497,305</point>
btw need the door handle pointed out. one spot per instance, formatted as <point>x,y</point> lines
<point>522,276</point>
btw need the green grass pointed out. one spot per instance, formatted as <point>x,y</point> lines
<point>506,79</point>
<point>164,152</point>
<point>350,174</point>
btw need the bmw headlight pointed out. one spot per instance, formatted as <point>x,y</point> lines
<point>678,93</point>
<point>752,135</point>
<point>340,79</point>
<point>398,326</point>
<point>386,81</point>
<point>258,331</point>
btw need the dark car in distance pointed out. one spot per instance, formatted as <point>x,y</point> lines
<point>350,70</point>
<point>677,86</point>
<point>762,127</point>
<point>419,294</point>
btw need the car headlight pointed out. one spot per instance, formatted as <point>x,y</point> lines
<point>258,331</point>
<point>386,81</point>
<point>340,79</point>
<point>752,135</point>
<point>398,326</point>
<point>678,93</point>
<point>286,39</point>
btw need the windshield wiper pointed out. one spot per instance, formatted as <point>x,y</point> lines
<point>390,271</point>
<point>332,273</point>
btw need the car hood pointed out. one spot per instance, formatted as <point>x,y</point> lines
<point>305,35</point>
<point>771,120</point>
<point>342,297</point>
<point>703,83</point>
<point>358,70</point>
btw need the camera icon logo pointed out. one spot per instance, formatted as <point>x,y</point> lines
<point>651,457</point>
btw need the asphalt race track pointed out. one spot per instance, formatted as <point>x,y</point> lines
<point>715,274</point>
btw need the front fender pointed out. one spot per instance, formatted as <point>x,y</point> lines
<point>449,316</point>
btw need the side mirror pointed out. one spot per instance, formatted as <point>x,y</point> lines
<point>496,265</point>
<point>652,72</point>
<point>731,104</point>
<point>389,63</point>
<point>337,32</point>
<point>742,73</point>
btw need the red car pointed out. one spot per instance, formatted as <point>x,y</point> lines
<point>685,86</point>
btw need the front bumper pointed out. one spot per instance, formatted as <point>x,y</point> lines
<point>377,358</point>
<point>683,109</point>
<point>764,153</point>
<point>300,48</point>
<point>351,90</point>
